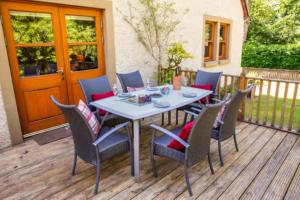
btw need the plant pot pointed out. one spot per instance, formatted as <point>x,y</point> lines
<point>177,83</point>
<point>79,57</point>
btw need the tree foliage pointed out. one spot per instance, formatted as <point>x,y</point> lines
<point>274,21</point>
<point>272,56</point>
<point>177,54</point>
<point>274,35</point>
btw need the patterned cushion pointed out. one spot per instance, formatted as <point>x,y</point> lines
<point>220,115</point>
<point>89,116</point>
<point>132,89</point>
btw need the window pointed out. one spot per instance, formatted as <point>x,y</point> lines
<point>223,41</point>
<point>210,36</point>
<point>216,41</point>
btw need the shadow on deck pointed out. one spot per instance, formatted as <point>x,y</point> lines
<point>266,166</point>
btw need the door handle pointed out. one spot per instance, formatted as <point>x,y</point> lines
<point>62,73</point>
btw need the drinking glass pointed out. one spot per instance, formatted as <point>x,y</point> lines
<point>184,81</point>
<point>115,89</point>
<point>149,83</point>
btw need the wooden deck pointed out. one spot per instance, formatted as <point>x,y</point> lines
<point>266,167</point>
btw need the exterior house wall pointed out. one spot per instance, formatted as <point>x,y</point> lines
<point>4,132</point>
<point>130,55</point>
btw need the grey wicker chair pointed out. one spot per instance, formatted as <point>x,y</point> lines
<point>110,141</point>
<point>97,86</point>
<point>202,78</point>
<point>226,130</point>
<point>196,147</point>
<point>134,79</point>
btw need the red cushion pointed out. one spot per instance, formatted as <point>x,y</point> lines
<point>96,97</point>
<point>204,87</point>
<point>184,134</point>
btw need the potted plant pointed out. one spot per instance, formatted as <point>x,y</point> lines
<point>177,54</point>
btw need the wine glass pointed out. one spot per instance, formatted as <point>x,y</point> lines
<point>184,81</point>
<point>148,83</point>
<point>115,89</point>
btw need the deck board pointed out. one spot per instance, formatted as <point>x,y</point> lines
<point>263,146</point>
<point>293,191</point>
<point>281,181</point>
<point>266,175</point>
<point>266,166</point>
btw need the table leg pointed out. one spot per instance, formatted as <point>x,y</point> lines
<point>136,149</point>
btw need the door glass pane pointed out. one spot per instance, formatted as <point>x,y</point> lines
<point>83,57</point>
<point>29,27</point>
<point>35,61</point>
<point>81,28</point>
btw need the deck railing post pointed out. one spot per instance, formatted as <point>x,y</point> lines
<point>242,86</point>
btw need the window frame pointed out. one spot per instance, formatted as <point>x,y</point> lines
<point>211,42</point>
<point>214,59</point>
<point>225,41</point>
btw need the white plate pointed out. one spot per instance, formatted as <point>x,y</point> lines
<point>189,95</point>
<point>152,89</point>
<point>124,95</point>
<point>162,104</point>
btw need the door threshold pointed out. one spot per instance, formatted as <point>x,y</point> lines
<point>45,130</point>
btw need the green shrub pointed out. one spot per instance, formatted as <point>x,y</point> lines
<point>271,56</point>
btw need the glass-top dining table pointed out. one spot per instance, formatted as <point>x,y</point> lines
<point>118,106</point>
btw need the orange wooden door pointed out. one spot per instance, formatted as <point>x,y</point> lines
<point>35,54</point>
<point>49,49</point>
<point>82,40</point>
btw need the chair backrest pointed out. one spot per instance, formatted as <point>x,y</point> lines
<point>208,78</point>
<point>83,136</point>
<point>94,86</point>
<point>199,138</point>
<point>231,113</point>
<point>133,79</point>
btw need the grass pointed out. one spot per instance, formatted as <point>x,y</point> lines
<point>278,108</point>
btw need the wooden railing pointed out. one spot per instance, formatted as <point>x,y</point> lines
<point>273,103</point>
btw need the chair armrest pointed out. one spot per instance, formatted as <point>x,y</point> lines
<point>196,109</point>
<point>221,122</point>
<point>111,131</point>
<point>196,105</point>
<point>217,100</point>
<point>191,113</point>
<point>214,95</point>
<point>169,133</point>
